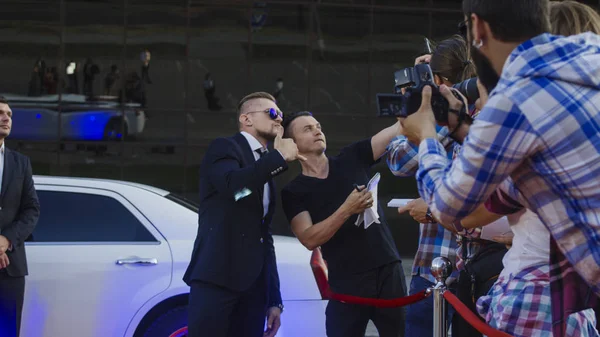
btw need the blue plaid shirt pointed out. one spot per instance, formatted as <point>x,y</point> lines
<point>541,127</point>
<point>434,239</point>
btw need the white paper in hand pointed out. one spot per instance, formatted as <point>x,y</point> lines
<point>370,215</point>
<point>497,228</point>
<point>396,203</point>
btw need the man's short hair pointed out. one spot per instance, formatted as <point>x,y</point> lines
<point>254,95</point>
<point>288,119</point>
<point>511,20</point>
<point>3,100</point>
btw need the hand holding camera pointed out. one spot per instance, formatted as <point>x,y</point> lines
<point>423,59</point>
<point>421,124</point>
<point>457,104</point>
<point>409,84</point>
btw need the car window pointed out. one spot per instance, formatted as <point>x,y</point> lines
<point>82,217</point>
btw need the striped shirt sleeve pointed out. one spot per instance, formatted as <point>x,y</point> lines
<point>498,141</point>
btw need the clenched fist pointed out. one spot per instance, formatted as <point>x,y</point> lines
<point>287,147</point>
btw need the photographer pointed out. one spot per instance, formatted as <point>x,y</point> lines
<point>526,265</point>
<point>450,64</point>
<point>322,205</point>
<point>540,126</point>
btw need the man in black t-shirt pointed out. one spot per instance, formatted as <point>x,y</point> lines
<point>322,205</point>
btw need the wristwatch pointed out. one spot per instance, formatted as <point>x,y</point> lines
<point>429,216</point>
<point>280,306</point>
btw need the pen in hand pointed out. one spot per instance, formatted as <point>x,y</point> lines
<point>357,188</point>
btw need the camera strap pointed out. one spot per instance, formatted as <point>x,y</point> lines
<point>462,114</point>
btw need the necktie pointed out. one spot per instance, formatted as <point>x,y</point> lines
<point>262,152</point>
<point>265,192</point>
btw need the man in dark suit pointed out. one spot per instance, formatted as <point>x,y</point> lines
<point>19,212</point>
<point>233,272</point>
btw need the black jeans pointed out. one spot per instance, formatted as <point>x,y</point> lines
<point>350,320</point>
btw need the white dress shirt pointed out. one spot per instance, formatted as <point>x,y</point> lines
<point>1,165</point>
<point>256,145</point>
<point>1,174</point>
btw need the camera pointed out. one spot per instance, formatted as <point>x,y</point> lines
<point>413,80</point>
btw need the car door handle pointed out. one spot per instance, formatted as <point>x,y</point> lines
<point>137,260</point>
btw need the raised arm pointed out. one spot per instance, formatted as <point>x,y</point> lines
<point>402,156</point>
<point>498,141</point>
<point>380,141</point>
<point>226,174</point>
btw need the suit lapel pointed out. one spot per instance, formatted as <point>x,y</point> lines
<point>7,174</point>
<point>249,159</point>
<point>246,150</point>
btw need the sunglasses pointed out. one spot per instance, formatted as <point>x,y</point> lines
<point>273,113</point>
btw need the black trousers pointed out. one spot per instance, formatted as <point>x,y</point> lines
<point>350,320</point>
<point>219,312</point>
<point>12,292</point>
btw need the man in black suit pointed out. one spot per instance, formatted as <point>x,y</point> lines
<point>233,272</point>
<point>19,212</point>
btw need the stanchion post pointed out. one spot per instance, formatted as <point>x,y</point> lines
<point>441,268</point>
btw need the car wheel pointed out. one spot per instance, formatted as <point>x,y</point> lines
<point>172,323</point>
<point>112,130</point>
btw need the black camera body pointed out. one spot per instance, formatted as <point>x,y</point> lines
<point>413,80</point>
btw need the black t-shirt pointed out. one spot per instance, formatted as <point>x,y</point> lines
<point>353,249</point>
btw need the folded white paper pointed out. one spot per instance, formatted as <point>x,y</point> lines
<point>370,215</point>
<point>395,203</point>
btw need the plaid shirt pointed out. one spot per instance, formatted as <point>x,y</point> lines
<point>520,305</point>
<point>434,239</point>
<point>541,126</point>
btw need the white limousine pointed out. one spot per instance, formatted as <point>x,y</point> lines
<point>107,259</point>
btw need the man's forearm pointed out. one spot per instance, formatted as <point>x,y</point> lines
<point>18,231</point>
<point>479,218</point>
<point>494,149</point>
<point>319,233</point>
<point>380,141</point>
<point>433,163</point>
<point>402,157</point>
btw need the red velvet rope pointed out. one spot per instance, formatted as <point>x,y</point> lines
<point>471,318</point>
<point>319,268</point>
<point>380,303</point>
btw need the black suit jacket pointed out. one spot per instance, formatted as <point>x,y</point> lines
<point>19,208</point>
<point>234,242</point>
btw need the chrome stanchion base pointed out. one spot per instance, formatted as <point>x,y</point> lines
<point>441,269</point>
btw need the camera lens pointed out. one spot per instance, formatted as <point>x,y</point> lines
<point>469,89</point>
